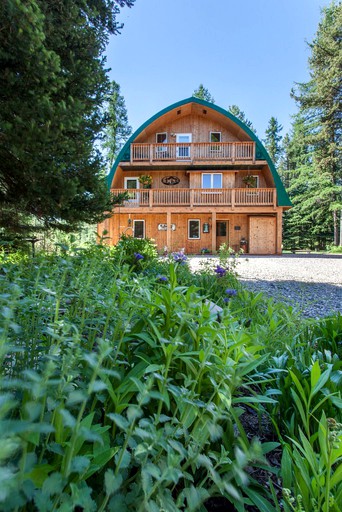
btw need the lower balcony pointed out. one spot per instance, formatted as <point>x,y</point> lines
<point>199,197</point>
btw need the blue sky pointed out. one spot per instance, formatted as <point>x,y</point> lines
<point>249,53</point>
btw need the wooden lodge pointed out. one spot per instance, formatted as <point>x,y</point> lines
<point>208,180</point>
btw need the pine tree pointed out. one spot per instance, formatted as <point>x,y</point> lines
<point>320,104</point>
<point>235,110</point>
<point>117,129</point>
<point>273,139</point>
<point>53,83</point>
<point>203,94</point>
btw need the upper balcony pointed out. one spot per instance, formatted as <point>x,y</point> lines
<point>228,152</point>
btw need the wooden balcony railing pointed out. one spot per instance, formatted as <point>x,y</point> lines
<point>229,151</point>
<point>199,197</point>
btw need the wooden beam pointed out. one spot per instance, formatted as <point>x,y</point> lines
<point>213,232</point>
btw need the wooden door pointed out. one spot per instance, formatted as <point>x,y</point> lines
<point>262,235</point>
<point>222,233</point>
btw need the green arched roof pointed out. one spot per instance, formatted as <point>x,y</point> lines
<point>261,153</point>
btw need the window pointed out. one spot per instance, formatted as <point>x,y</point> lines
<point>194,229</point>
<point>139,229</point>
<point>161,138</point>
<point>215,136</point>
<point>131,183</point>
<point>211,180</point>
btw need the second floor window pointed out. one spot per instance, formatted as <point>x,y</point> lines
<point>211,180</point>
<point>161,138</point>
<point>215,136</point>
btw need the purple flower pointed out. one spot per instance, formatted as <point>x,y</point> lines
<point>220,271</point>
<point>138,256</point>
<point>179,257</point>
<point>231,292</point>
<point>162,279</point>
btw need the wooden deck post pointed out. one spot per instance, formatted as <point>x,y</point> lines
<point>168,230</point>
<point>213,232</point>
<point>151,152</point>
<point>150,197</point>
<point>233,198</point>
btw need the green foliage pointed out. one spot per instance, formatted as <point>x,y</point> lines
<point>316,179</point>
<point>52,88</point>
<point>118,393</point>
<point>203,94</point>
<point>124,391</point>
<point>237,112</point>
<point>117,129</point>
<point>273,139</point>
<point>135,252</point>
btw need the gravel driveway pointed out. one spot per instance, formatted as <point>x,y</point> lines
<point>309,282</point>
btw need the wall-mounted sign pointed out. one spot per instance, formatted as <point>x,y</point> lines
<point>205,227</point>
<point>163,227</point>
<point>170,180</point>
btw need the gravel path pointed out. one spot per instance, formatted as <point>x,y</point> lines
<point>309,282</point>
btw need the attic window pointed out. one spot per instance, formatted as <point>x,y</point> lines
<point>204,111</point>
<point>178,112</point>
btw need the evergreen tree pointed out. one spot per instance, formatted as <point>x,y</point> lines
<point>320,102</point>
<point>203,94</point>
<point>273,139</point>
<point>52,87</point>
<point>235,110</point>
<point>117,129</point>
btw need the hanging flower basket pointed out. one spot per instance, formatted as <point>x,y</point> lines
<point>145,180</point>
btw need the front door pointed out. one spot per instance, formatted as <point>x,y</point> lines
<point>222,233</point>
<point>183,151</point>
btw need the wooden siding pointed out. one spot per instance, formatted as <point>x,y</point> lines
<point>199,126</point>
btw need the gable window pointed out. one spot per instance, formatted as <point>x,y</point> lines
<point>211,180</point>
<point>194,229</point>
<point>139,229</point>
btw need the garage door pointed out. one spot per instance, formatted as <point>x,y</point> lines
<point>262,235</point>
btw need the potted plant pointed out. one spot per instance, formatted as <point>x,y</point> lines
<point>145,180</point>
<point>249,181</point>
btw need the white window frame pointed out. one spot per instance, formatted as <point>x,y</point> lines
<point>126,178</point>
<point>179,155</point>
<point>144,232</point>
<point>161,133</point>
<point>199,229</point>
<point>213,141</point>
<point>211,174</point>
